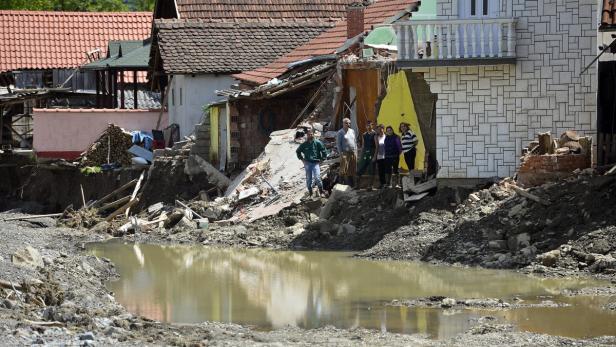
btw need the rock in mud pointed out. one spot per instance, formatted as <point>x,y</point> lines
<point>28,257</point>
<point>448,303</point>
<point>549,258</point>
<point>519,241</point>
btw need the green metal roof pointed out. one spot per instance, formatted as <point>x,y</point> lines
<point>129,54</point>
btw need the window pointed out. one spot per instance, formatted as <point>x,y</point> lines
<point>173,97</point>
<point>180,96</point>
<point>473,7</point>
<point>485,7</point>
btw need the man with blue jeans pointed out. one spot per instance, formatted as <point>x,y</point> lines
<point>312,152</point>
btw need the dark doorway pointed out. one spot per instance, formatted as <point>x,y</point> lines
<point>606,114</point>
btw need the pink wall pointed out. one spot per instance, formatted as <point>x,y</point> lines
<point>66,133</point>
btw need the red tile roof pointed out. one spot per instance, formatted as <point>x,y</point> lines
<point>45,39</point>
<point>327,43</point>
<point>250,10</point>
<point>608,15</point>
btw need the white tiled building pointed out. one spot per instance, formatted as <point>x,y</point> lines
<point>503,71</point>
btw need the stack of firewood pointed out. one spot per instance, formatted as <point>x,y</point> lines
<point>110,147</point>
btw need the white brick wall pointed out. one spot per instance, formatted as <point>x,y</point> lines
<point>487,114</point>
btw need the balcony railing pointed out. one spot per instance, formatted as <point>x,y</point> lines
<point>456,42</point>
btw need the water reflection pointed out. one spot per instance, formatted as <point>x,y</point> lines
<point>312,289</point>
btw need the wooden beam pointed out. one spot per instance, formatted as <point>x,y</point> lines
<point>116,203</point>
<point>112,194</point>
<point>98,88</point>
<point>115,89</point>
<point>122,106</point>
<point>109,103</point>
<point>136,104</point>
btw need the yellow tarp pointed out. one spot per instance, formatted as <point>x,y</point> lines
<point>397,107</point>
<point>213,134</point>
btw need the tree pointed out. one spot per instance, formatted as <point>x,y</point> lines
<point>65,5</point>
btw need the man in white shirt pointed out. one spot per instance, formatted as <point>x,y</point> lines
<point>346,143</point>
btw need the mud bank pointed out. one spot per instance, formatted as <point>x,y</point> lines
<point>76,308</point>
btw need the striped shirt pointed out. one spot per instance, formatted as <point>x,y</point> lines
<point>409,141</point>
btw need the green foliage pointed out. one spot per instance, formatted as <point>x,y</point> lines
<point>69,5</point>
<point>91,170</point>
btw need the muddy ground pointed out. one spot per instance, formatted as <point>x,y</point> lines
<point>570,232</point>
<point>68,291</point>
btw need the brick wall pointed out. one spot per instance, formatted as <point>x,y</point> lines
<point>538,169</point>
<point>485,114</point>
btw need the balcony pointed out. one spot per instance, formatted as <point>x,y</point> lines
<point>458,42</point>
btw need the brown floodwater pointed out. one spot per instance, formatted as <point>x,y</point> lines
<point>272,289</point>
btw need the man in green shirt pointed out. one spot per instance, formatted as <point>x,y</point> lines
<point>312,153</point>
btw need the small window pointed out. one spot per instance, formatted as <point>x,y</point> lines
<point>485,7</point>
<point>473,7</point>
<point>172,97</point>
<point>180,96</point>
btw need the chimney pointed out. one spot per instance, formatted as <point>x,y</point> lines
<point>355,19</point>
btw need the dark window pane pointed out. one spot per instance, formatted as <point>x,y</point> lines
<point>485,7</point>
<point>473,7</point>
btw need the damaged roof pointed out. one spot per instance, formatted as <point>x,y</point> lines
<point>48,40</point>
<point>198,46</point>
<point>259,10</point>
<point>380,12</point>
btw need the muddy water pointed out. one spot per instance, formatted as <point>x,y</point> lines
<point>268,290</point>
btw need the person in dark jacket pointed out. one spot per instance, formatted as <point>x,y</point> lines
<point>393,148</point>
<point>367,150</point>
<point>312,153</point>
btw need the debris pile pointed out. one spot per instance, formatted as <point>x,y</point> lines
<point>562,224</point>
<point>273,181</point>
<point>111,147</point>
<point>549,159</point>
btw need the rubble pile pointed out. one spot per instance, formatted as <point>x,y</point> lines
<point>110,147</point>
<point>564,224</point>
<point>549,159</point>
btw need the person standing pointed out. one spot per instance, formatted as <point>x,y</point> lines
<point>346,143</point>
<point>379,154</point>
<point>367,150</point>
<point>312,152</point>
<point>393,148</point>
<point>409,145</point>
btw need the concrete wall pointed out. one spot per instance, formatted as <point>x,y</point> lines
<point>66,133</point>
<point>189,93</point>
<point>487,114</point>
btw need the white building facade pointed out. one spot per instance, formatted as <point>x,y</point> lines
<point>504,71</point>
<point>189,94</point>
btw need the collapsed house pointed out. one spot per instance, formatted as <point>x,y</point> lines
<point>198,46</point>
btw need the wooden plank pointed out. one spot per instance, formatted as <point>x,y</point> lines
<point>408,181</point>
<point>34,217</point>
<point>188,208</point>
<point>116,203</point>
<point>112,194</point>
<point>423,187</point>
<point>528,195</point>
<point>134,195</point>
<point>414,197</point>
<point>121,210</point>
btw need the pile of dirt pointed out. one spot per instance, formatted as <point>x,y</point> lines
<point>570,227</point>
<point>364,218</point>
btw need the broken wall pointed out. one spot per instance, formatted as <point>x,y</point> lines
<point>362,85</point>
<point>255,120</point>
